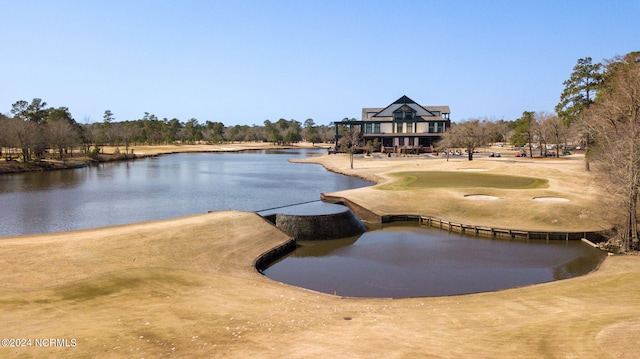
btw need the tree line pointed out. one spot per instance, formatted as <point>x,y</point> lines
<point>610,121</point>
<point>34,130</point>
<point>599,109</point>
<point>542,131</point>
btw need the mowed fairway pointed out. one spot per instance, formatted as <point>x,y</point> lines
<point>187,288</point>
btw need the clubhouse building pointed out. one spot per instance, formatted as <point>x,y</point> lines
<point>402,126</point>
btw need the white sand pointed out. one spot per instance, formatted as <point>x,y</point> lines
<point>483,197</point>
<point>551,199</point>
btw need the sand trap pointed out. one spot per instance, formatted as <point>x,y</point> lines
<point>483,197</point>
<point>472,169</point>
<point>550,199</point>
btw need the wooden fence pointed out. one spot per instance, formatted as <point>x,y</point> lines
<point>484,231</point>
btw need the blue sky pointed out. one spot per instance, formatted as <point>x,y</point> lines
<point>242,62</point>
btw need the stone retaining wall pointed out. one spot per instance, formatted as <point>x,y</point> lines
<point>318,227</point>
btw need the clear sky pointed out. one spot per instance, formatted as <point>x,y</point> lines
<point>242,62</point>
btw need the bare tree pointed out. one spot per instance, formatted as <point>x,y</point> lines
<point>62,136</point>
<point>539,135</point>
<point>497,131</point>
<point>351,139</point>
<point>614,120</point>
<point>468,134</point>
<point>123,132</point>
<point>92,136</point>
<point>4,138</point>
<point>61,129</point>
<point>128,132</point>
<point>29,138</point>
<point>553,130</point>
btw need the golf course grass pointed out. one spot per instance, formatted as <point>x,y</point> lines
<point>451,179</point>
<point>434,187</point>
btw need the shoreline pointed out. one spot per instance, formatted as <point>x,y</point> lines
<point>139,152</point>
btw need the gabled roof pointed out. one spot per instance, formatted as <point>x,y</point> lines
<point>404,100</point>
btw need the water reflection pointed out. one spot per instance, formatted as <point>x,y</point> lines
<point>410,261</point>
<point>40,181</point>
<point>579,266</point>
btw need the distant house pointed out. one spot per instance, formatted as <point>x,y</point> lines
<point>402,126</point>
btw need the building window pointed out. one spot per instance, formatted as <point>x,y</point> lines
<point>432,127</point>
<point>376,128</point>
<point>408,115</point>
<point>409,127</point>
<point>404,113</point>
<point>367,128</point>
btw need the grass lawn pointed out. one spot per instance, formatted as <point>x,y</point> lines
<point>187,288</point>
<point>459,179</point>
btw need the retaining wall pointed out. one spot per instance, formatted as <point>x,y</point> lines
<point>318,227</point>
<point>309,227</point>
<point>274,254</point>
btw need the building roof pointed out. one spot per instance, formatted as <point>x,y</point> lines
<point>441,109</point>
<point>404,100</point>
<point>427,111</point>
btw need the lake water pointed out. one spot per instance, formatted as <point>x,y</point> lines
<point>161,187</point>
<point>402,261</point>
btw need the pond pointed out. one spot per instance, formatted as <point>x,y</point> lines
<point>409,261</point>
<point>161,187</point>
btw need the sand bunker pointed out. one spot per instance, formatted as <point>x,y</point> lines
<point>472,169</point>
<point>481,197</point>
<point>551,199</point>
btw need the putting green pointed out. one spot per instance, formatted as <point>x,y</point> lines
<point>457,179</point>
